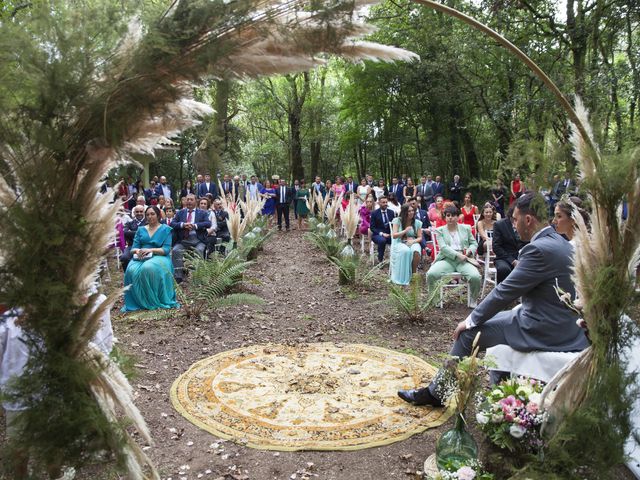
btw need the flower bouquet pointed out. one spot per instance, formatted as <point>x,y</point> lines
<point>471,470</point>
<point>510,415</point>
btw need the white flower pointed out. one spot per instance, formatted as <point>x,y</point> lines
<point>466,473</point>
<point>517,431</point>
<point>482,418</point>
<point>535,398</point>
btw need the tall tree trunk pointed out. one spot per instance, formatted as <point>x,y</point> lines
<point>316,127</point>
<point>578,42</point>
<point>296,102</point>
<point>218,142</point>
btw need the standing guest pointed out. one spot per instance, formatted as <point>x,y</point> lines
<point>396,189</point>
<point>425,193</point>
<point>328,186</point>
<point>187,189</point>
<point>123,188</point>
<point>406,234</point>
<point>253,189</point>
<point>163,188</point>
<point>498,193</point>
<point>409,190</point>
<point>191,226</point>
<point>380,190</point>
<point>455,190</point>
<point>338,188</point>
<point>199,181</point>
<point>516,189</point>
<point>381,226</point>
<point>365,216</point>
<point>131,187</point>
<point>301,197</point>
<point>394,204</point>
<point>269,194</point>
<point>296,187</point>
<point>351,185</point>
<point>150,192</point>
<point>369,180</point>
<point>149,274</point>
<point>438,187</point>
<point>542,321</point>
<point>283,200</point>
<point>485,227</point>
<point>243,180</point>
<point>129,231</point>
<point>457,248</point>
<point>561,187</point>
<point>139,188</point>
<point>430,181</point>
<point>207,187</point>
<point>318,187</point>
<point>506,244</point>
<point>239,189</point>
<point>468,210</point>
<point>363,190</point>
<point>227,185</point>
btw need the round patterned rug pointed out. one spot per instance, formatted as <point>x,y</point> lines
<point>320,396</point>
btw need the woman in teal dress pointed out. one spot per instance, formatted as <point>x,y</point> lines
<point>406,235</point>
<point>302,209</point>
<point>150,274</point>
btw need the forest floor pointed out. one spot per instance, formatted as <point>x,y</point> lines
<point>304,303</point>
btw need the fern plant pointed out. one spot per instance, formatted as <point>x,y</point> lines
<point>411,302</point>
<point>211,282</point>
<point>331,246</point>
<point>351,269</point>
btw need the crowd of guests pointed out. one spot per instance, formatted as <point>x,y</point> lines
<point>427,220</point>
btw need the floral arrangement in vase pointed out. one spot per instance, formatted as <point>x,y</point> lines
<point>471,470</point>
<point>510,415</point>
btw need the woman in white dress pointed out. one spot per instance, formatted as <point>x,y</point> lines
<point>363,191</point>
<point>380,190</point>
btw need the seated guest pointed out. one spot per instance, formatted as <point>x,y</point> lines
<point>457,246</point>
<point>149,274</point>
<point>424,218</point>
<point>141,200</point>
<point>381,226</point>
<point>485,227</point>
<point>365,216</point>
<point>191,226</point>
<point>542,322</point>
<point>129,231</point>
<point>406,234</point>
<point>436,209</point>
<point>506,245</point>
<point>219,227</point>
<point>169,214</point>
<point>393,204</point>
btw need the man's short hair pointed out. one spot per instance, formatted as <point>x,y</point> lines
<point>411,199</point>
<point>532,203</point>
<point>383,197</point>
<point>451,209</point>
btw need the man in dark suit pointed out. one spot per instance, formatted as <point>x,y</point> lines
<point>227,185</point>
<point>351,186</point>
<point>506,244</point>
<point>130,229</point>
<point>425,193</point>
<point>191,226</point>
<point>421,215</point>
<point>396,188</point>
<point>381,226</point>
<point>455,190</point>
<point>163,188</point>
<point>566,186</point>
<point>218,230</point>
<point>284,197</point>
<point>437,187</point>
<point>542,322</point>
<point>207,187</point>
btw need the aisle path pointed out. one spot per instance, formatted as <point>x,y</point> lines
<point>304,304</point>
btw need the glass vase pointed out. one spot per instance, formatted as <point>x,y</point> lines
<point>456,446</point>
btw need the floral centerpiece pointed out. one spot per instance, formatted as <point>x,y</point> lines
<point>471,470</point>
<point>511,416</point>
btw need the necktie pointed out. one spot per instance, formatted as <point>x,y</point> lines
<point>281,194</point>
<point>384,218</point>
<point>190,216</point>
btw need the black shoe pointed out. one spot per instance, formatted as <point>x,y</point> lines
<point>178,281</point>
<point>420,396</point>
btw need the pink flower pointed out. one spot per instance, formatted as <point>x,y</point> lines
<point>532,408</point>
<point>508,417</point>
<point>466,473</point>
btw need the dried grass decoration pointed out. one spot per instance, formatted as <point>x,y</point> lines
<point>332,210</point>
<point>350,218</point>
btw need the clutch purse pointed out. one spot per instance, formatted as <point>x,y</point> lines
<point>144,257</point>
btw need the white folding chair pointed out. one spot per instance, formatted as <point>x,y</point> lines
<point>451,280</point>
<point>490,272</point>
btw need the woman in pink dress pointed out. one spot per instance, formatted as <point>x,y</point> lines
<point>365,216</point>
<point>338,188</point>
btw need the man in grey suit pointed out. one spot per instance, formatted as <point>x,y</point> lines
<point>542,322</point>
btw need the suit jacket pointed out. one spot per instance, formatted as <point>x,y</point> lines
<point>239,190</point>
<point>313,187</point>
<point>130,229</point>
<point>438,188</point>
<point>426,193</point>
<point>351,186</point>
<point>203,190</point>
<point>159,190</point>
<point>543,322</point>
<point>288,195</point>
<point>467,242</point>
<point>505,244</point>
<point>560,189</point>
<point>455,191</point>
<point>227,187</point>
<point>377,224</point>
<point>222,228</point>
<point>200,218</point>
<point>423,217</point>
<point>397,191</point>
<point>184,192</point>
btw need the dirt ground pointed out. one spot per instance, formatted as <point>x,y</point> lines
<point>304,304</point>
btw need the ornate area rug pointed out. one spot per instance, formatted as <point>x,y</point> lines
<point>320,396</point>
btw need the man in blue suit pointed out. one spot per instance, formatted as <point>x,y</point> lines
<point>191,226</point>
<point>381,226</point>
<point>207,187</point>
<point>437,187</point>
<point>163,188</point>
<point>396,188</point>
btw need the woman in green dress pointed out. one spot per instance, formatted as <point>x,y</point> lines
<point>302,209</point>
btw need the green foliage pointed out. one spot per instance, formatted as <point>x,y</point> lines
<point>411,302</point>
<point>125,362</point>
<point>330,245</point>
